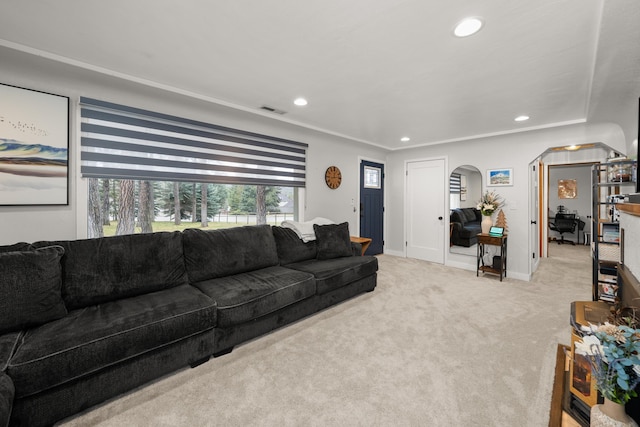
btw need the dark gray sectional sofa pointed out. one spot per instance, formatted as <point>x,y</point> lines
<point>82,321</point>
<point>466,225</point>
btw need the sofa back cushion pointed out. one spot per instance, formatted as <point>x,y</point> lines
<point>30,285</point>
<point>469,214</point>
<point>110,268</point>
<point>218,253</point>
<point>292,248</point>
<point>22,246</point>
<point>333,240</point>
<point>458,216</point>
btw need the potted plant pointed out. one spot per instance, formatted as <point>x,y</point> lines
<point>613,350</point>
<point>487,205</point>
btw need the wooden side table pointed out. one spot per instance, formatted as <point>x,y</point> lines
<point>364,241</point>
<point>501,242</point>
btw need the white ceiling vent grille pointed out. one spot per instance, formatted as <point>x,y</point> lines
<point>273,110</point>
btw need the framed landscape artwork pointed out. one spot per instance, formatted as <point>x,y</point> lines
<point>34,147</point>
<point>499,177</point>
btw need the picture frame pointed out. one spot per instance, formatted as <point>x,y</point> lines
<point>499,177</point>
<point>34,141</point>
<point>567,189</point>
<point>463,188</point>
<point>581,383</point>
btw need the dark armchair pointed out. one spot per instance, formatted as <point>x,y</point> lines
<point>564,223</point>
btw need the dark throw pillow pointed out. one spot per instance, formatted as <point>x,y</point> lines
<point>22,246</point>
<point>291,248</point>
<point>30,285</point>
<point>333,240</point>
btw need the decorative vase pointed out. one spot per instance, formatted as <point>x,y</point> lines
<point>486,224</point>
<point>610,414</point>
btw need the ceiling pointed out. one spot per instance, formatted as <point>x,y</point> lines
<point>372,70</point>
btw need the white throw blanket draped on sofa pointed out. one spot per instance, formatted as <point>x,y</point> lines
<point>304,230</point>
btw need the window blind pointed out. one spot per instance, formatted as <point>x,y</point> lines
<point>130,143</point>
<point>454,183</point>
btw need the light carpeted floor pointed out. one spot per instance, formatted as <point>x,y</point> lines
<point>431,346</point>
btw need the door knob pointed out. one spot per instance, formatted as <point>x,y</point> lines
<point>440,218</point>
<point>534,222</point>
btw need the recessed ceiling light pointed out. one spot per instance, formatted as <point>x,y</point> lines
<point>300,102</point>
<point>467,27</point>
<point>405,139</point>
<point>521,118</point>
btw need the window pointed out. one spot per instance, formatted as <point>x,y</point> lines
<point>129,143</point>
<point>129,206</point>
<point>147,168</point>
<point>372,177</point>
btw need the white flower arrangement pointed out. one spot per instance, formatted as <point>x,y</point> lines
<point>489,203</point>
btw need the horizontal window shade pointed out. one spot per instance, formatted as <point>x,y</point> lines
<point>454,183</point>
<point>129,143</point>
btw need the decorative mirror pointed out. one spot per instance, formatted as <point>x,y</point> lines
<point>465,189</point>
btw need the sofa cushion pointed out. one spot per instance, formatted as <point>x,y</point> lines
<point>219,253</point>
<point>109,268</point>
<point>8,345</point>
<point>333,240</point>
<point>291,248</point>
<point>22,246</point>
<point>247,296</point>
<point>458,216</point>
<point>30,285</point>
<point>469,214</point>
<point>97,337</point>
<point>470,230</point>
<point>334,273</point>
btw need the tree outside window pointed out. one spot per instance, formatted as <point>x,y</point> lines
<point>119,207</point>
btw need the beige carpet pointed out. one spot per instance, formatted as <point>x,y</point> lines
<point>431,346</point>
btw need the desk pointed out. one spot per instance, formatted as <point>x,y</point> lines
<point>501,242</point>
<point>364,241</point>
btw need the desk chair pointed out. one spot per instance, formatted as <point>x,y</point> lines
<point>564,223</point>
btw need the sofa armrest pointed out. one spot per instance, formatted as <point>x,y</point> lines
<point>356,249</point>
<point>457,227</point>
<point>7,391</point>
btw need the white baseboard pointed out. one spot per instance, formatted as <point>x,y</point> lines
<point>469,267</point>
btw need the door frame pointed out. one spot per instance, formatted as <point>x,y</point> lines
<point>405,208</point>
<point>355,203</point>
<point>536,220</point>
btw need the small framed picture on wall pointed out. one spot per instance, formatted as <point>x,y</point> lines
<point>499,177</point>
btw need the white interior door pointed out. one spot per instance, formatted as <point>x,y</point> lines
<point>425,210</point>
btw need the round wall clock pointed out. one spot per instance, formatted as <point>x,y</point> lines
<point>333,177</point>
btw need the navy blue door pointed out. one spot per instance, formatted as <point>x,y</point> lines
<point>372,204</point>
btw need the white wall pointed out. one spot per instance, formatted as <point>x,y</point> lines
<point>69,222</point>
<point>508,151</point>
<point>631,226</point>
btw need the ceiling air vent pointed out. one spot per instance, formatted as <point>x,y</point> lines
<point>272,110</point>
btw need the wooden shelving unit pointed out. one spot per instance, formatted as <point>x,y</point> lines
<point>609,181</point>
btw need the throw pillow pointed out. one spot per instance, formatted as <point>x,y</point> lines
<point>333,240</point>
<point>22,246</point>
<point>291,248</point>
<point>30,285</point>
